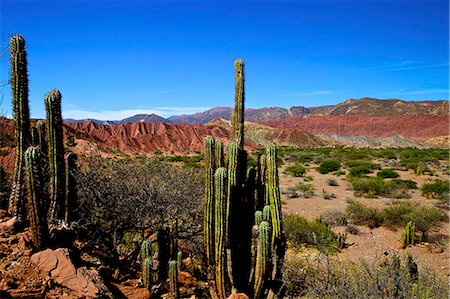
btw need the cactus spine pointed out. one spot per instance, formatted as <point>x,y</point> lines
<point>21,114</point>
<point>71,185</point>
<point>237,121</point>
<point>37,196</point>
<point>251,254</point>
<point>34,136</point>
<point>173,279</point>
<point>408,234</point>
<point>56,154</point>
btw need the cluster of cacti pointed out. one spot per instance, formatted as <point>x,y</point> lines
<point>56,154</point>
<point>36,161</point>
<point>21,114</point>
<point>408,234</point>
<point>155,259</point>
<point>244,238</point>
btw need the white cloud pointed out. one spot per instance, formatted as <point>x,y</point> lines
<point>121,114</point>
<point>305,94</point>
<point>409,65</point>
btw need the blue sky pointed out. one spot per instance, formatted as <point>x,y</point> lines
<point>113,59</point>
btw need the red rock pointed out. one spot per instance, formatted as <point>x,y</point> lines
<point>8,225</point>
<point>186,279</point>
<point>57,265</point>
<point>3,213</point>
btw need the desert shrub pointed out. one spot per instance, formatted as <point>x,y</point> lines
<point>439,189</point>
<point>388,173</point>
<point>360,214</point>
<point>308,178</point>
<point>388,276</point>
<point>334,218</point>
<point>305,159</point>
<point>316,233</point>
<point>386,154</point>
<point>328,166</point>
<point>292,192</point>
<point>332,182</point>
<point>406,184</point>
<point>369,187</point>
<point>351,229</point>
<point>297,170</point>
<point>116,196</point>
<point>306,188</point>
<point>359,171</point>
<point>394,215</point>
<point>328,195</point>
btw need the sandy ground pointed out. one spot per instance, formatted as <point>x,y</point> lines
<point>369,243</point>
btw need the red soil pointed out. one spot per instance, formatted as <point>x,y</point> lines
<point>419,127</point>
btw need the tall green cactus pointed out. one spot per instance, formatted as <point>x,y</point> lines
<point>219,154</point>
<point>21,115</point>
<point>147,272</point>
<point>56,154</point>
<point>209,199</point>
<point>237,121</point>
<point>251,254</point>
<point>37,196</point>
<point>71,186</point>
<point>220,230</point>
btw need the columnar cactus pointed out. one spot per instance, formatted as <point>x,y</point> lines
<point>155,260</point>
<point>71,185</point>
<point>237,120</point>
<point>220,230</point>
<point>408,234</point>
<point>37,196</point>
<point>56,154</point>
<point>209,199</point>
<point>219,154</point>
<point>147,272</point>
<point>248,244</point>
<point>179,258</point>
<point>21,115</point>
<point>173,279</point>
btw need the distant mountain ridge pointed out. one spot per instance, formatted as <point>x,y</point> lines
<point>364,106</point>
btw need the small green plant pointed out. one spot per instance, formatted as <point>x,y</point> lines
<point>339,172</point>
<point>296,170</point>
<point>334,218</point>
<point>388,173</point>
<point>327,195</point>
<point>306,189</point>
<point>420,169</point>
<point>406,184</point>
<point>328,166</point>
<point>369,187</point>
<point>395,214</point>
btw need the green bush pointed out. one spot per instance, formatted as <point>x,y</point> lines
<point>369,187</point>
<point>437,190</point>
<point>332,182</point>
<point>297,170</point>
<point>395,215</point>
<point>388,173</point>
<point>406,184</point>
<point>359,171</point>
<point>328,166</point>
<point>363,215</point>
<point>316,233</point>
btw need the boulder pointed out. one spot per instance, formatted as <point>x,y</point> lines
<point>57,265</point>
<point>8,225</point>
